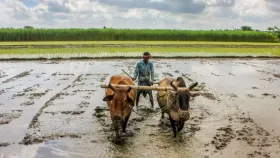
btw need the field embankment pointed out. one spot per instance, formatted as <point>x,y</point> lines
<point>133,35</point>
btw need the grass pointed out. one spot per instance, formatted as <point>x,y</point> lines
<point>135,42</point>
<point>138,51</point>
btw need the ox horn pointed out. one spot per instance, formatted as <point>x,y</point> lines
<point>173,86</point>
<point>193,94</point>
<point>193,85</point>
<point>112,87</point>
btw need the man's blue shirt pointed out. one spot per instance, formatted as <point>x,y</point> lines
<point>144,71</point>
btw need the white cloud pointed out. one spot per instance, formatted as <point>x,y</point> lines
<point>203,14</point>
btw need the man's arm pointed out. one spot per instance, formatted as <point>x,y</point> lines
<point>136,72</point>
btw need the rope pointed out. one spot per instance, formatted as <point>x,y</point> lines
<point>163,109</point>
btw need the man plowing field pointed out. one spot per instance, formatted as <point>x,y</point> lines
<point>145,72</point>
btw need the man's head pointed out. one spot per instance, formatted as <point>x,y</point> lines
<point>146,56</point>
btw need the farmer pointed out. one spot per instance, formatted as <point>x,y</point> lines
<point>145,73</point>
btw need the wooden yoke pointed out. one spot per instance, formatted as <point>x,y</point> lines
<point>145,87</point>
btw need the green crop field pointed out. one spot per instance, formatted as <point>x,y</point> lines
<point>133,35</point>
<point>129,51</point>
<point>136,42</point>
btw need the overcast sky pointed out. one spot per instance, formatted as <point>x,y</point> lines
<point>171,14</point>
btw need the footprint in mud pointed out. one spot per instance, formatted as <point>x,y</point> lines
<point>186,76</point>
<point>35,138</point>
<point>167,74</point>
<point>36,95</point>
<point>223,137</point>
<point>4,144</point>
<point>250,136</point>
<point>232,95</point>
<point>83,104</point>
<point>64,78</point>
<point>27,103</point>
<point>259,153</point>
<point>54,74</point>
<point>270,95</point>
<point>29,89</point>
<point>49,112</point>
<point>1,76</point>
<point>6,118</point>
<point>72,112</point>
<point>215,74</point>
<point>86,97</point>
<point>255,136</point>
<point>209,96</point>
<point>2,92</point>
<point>189,129</point>
<point>276,75</point>
<point>18,94</point>
<point>251,96</point>
<point>270,80</point>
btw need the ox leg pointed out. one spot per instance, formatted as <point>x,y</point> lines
<point>181,126</point>
<point>125,123</point>
<point>138,97</point>
<point>116,127</point>
<point>173,126</point>
<point>151,99</point>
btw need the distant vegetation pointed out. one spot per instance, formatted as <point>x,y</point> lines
<point>274,30</point>
<point>28,33</point>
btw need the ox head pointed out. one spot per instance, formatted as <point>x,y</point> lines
<point>121,96</point>
<point>183,96</point>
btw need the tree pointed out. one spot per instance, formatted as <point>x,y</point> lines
<point>270,29</point>
<point>28,27</point>
<point>246,28</point>
<point>104,27</point>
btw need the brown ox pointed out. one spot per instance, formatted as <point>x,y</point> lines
<point>120,101</point>
<point>175,104</point>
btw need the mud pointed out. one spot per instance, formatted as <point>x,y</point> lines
<point>276,75</point>
<point>27,103</point>
<point>223,137</point>
<point>6,118</point>
<point>235,116</point>
<point>4,144</point>
<point>23,74</point>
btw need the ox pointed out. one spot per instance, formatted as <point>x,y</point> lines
<point>175,104</point>
<point>120,101</point>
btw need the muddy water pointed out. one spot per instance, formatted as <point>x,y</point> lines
<point>47,109</point>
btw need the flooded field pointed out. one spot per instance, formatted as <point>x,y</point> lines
<point>49,109</point>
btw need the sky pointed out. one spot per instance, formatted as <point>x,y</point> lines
<point>154,14</point>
